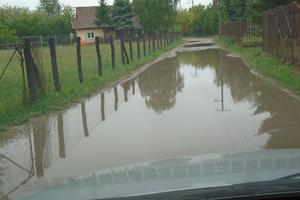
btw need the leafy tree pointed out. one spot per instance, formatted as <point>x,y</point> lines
<point>16,22</point>
<point>156,15</point>
<point>6,34</point>
<point>254,9</point>
<point>199,20</point>
<point>121,15</point>
<point>184,22</point>
<point>103,14</point>
<point>50,7</point>
<point>67,14</point>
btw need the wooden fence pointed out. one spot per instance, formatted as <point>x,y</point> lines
<point>145,44</point>
<point>282,32</point>
<point>279,33</point>
<point>246,33</point>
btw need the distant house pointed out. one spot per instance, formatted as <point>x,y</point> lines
<point>84,24</point>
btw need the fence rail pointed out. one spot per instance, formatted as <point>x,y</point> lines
<point>278,34</point>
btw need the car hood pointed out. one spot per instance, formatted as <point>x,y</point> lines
<point>191,172</point>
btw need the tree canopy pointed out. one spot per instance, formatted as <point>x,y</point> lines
<point>156,15</point>
<point>121,15</point>
<point>18,22</point>
<point>254,9</point>
<point>103,14</point>
<point>201,20</point>
<point>50,7</point>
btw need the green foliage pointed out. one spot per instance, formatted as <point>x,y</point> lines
<point>199,20</point>
<point>50,7</point>
<point>18,22</point>
<point>156,15</point>
<point>121,15</point>
<point>7,35</point>
<point>103,14</point>
<point>254,9</point>
<point>184,22</point>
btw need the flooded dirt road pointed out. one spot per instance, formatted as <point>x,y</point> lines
<point>196,103</point>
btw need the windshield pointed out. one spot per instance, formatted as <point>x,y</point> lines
<point>164,113</point>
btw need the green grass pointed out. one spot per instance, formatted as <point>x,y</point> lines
<point>266,64</point>
<point>252,39</point>
<point>13,111</point>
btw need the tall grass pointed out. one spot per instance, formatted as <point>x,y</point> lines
<point>12,108</point>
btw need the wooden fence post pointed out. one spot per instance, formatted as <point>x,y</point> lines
<point>29,70</point>
<point>19,49</point>
<point>157,40</point>
<point>102,107</point>
<point>116,98</point>
<point>61,138</point>
<point>149,44</point>
<point>113,57</point>
<point>79,64</point>
<point>122,49</point>
<point>84,120</point>
<point>55,75</point>
<point>138,47</point>
<point>133,87</point>
<point>144,45</point>
<point>130,46</point>
<point>153,43</point>
<point>160,40</point>
<point>167,38</point>
<point>99,57</point>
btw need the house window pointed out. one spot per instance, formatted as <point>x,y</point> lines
<point>90,35</point>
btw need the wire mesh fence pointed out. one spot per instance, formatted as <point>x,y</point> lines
<point>279,33</point>
<point>15,87</point>
<point>246,33</point>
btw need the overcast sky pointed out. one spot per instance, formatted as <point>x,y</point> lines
<point>31,4</point>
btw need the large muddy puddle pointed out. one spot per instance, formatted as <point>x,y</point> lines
<point>197,103</point>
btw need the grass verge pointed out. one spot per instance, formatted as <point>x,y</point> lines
<point>266,64</point>
<point>13,111</point>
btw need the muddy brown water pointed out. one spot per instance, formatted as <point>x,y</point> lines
<point>195,103</point>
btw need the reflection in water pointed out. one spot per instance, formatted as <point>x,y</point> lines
<point>39,138</point>
<point>102,107</point>
<point>261,116</point>
<point>84,120</point>
<point>61,137</point>
<point>126,87</point>
<point>160,83</point>
<point>133,87</point>
<point>222,109</point>
<point>284,110</point>
<point>116,98</point>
